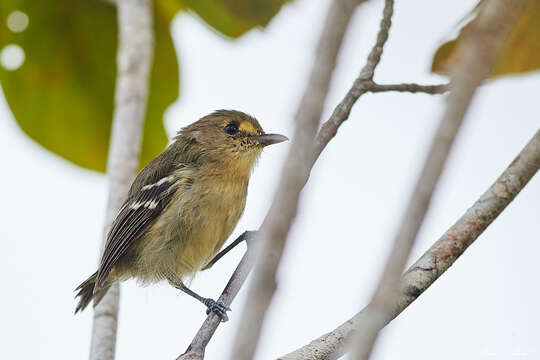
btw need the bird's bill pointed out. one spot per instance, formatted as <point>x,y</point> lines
<point>269,139</point>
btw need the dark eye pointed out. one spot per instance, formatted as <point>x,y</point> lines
<point>231,129</point>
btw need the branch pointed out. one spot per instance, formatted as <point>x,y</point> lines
<point>195,350</point>
<point>329,129</point>
<point>475,62</point>
<point>361,85</point>
<point>412,88</point>
<point>135,48</point>
<point>375,54</point>
<point>275,228</point>
<point>437,259</point>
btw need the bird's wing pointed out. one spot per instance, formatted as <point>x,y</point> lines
<point>134,217</point>
<point>149,196</point>
<point>150,193</point>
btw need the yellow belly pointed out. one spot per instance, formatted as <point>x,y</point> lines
<point>188,234</point>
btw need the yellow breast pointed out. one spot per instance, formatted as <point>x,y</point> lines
<point>192,229</point>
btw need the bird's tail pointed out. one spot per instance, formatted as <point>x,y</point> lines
<point>85,293</point>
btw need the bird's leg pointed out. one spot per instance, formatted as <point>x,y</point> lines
<point>217,307</point>
<point>246,236</point>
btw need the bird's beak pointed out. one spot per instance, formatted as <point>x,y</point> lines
<point>269,139</point>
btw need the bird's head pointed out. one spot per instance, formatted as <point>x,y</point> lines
<point>228,136</point>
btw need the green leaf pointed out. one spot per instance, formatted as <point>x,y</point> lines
<point>520,54</point>
<point>164,88</point>
<point>62,96</point>
<point>235,17</point>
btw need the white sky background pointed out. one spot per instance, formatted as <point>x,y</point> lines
<point>484,307</point>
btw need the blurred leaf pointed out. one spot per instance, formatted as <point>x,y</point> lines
<point>234,17</point>
<point>63,94</point>
<point>164,88</point>
<point>520,54</point>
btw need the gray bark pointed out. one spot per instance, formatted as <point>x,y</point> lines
<point>476,58</point>
<point>274,230</point>
<point>135,49</point>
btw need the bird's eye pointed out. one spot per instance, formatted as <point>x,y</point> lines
<point>231,129</point>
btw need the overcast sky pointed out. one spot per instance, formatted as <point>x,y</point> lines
<point>484,307</point>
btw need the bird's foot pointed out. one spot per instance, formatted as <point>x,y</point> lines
<point>217,307</point>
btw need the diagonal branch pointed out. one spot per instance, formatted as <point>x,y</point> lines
<point>328,130</point>
<point>375,54</point>
<point>195,350</point>
<point>275,228</point>
<point>475,62</point>
<point>361,85</point>
<point>440,256</point>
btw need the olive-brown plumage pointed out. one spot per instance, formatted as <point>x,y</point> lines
<point>182,206</point>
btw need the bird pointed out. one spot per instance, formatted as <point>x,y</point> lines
<point>182,207</point>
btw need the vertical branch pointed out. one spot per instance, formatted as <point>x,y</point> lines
<point>134,58</point>
<point>475,62</point>
<point>273,233</point>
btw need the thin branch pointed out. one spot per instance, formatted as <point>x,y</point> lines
<point>361,85</point>
<point>236,281</point>
<point>195,350</point>
<point>324,135</point>
<point>375,54</point>
<point>475,61</point>
<point>275,228</point>
<point>412,88</point>
<point>135,48</point>
<point>440,256</point>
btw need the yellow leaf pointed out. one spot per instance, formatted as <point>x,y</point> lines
<point>520,54</point>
